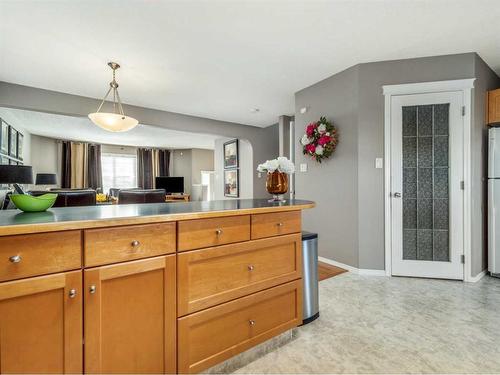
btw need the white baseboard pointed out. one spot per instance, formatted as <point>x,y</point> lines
<point>479,276</point>
<point>359,271</point>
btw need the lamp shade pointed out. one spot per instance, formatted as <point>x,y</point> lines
<point>113,122</point>
<point>16,174</point>
<point>46,179</point>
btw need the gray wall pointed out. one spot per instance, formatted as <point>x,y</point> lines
<point>182,167</point>
<point>349,191</point>
<point>264,141</point>
<point>45,156</point>
<point>332,184</point>
<point>202,160</point>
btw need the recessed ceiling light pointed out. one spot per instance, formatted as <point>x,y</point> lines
<point>255,110</point>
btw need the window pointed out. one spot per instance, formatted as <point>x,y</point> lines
<point>118,171</point>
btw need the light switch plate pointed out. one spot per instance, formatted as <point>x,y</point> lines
<point>379,163</point>
<point>303,167</point>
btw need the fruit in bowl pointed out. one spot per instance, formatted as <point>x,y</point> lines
<point>101,198</point>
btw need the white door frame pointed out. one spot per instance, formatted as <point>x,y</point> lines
<point>465,86</point>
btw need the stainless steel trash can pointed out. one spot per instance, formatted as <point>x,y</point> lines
<point>310,281</point>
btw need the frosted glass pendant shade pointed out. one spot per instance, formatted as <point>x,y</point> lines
<point>113,122</point>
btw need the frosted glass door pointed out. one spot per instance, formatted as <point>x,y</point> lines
<point>425,182</point>
<point>427,164</point>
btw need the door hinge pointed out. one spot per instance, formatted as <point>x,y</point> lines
<point>462,259</point>
<point>462,185</point>
<point>463,110</point>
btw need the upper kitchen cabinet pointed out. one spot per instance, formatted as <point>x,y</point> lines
<point>493,106</point>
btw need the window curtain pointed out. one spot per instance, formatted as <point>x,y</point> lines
<point>81,165</point>
<point>145,170</point>
<point>163,157</point>
<point>94,169</point>
<point>161,162</point>
<point>66,165</point>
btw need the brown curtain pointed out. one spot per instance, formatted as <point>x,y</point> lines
<point>81,165</point>
<point>66,165</point>
<point>163,162</point>
<point>145,171</point>
<point>94,170</point>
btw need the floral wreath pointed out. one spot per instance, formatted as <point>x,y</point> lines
<point>320,140</point>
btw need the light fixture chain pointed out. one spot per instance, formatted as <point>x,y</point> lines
<point>104,99</point>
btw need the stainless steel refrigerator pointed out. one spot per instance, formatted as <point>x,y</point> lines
<point>494,201</point>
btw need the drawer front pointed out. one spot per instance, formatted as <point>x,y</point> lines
<point>118,244</point>
<point>212,276</point>
<point>39,254</point>
<point>211,336</point>
<point>195,234</point>
<point>275,224</point>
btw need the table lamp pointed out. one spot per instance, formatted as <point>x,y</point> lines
<point>46,179</point>
<point>16,175</point>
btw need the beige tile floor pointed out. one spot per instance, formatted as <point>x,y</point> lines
<point>395,325</point>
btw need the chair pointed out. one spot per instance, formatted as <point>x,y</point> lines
<point>141,196</point>
<point>71,197</point>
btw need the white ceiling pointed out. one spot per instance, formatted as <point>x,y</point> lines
<point>82,129</point>
<point>219,59</point>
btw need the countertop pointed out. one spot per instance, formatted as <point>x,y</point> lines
<point>66,218</point>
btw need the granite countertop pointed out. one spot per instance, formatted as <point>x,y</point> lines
<point>65,218</point>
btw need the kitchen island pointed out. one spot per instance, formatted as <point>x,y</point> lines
<point>149,288</point>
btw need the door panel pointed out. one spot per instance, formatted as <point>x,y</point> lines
<point>41,324</point>
<point>130,317</point>
<point>427,171</point>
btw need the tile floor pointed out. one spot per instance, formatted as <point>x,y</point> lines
<point>393,325</point>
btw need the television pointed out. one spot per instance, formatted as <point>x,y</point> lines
<point>172,185</point>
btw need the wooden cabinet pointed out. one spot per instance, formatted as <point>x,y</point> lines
<point>215,275</point>
<point>119,244</point>
<point>41,324</point>
<point>130,317</point>
<point>493,107</point>
<point>158,297</point>
<point>275,224</point>
<point>213,335</point>
<point>38,254</point>
<point>195,234</point>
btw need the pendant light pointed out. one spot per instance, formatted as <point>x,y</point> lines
<point>116,121</point>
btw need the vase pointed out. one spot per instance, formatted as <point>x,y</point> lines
<point>277,185</point>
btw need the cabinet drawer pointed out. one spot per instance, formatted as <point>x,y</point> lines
<point>211,276</point>
<point>118,244</point>
<point>39,254</point>
<point>195,234</point>
<point>216,334</point>
<point>275,224</point>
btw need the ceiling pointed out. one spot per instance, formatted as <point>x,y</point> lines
<point>220,59</point>
<point>82,129</point>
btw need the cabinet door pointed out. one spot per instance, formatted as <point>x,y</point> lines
<point>41,324</point>
<point>130,317</point>
<point>494,106</point>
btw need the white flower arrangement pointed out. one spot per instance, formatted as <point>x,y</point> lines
<point>281,164</point>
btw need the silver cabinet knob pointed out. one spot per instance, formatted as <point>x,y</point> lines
<point>92,289</point>
<point>251,322</point>
<point>72,293</point>
<point>250,267</point>
<point>15,258</point>
<point>279,224</point>
<point>218,232</point>
<point>397,195</point>
<point>135,243</point>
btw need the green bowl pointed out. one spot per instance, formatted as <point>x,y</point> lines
<point>29,203</point>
